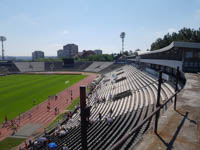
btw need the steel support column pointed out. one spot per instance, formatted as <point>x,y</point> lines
<point>158,102</point>
<point>83,117</point>
<point>176,86</point>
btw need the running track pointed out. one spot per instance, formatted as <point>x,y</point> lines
<point>40,114</point>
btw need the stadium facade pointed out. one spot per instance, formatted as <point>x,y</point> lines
<point>185,55</point>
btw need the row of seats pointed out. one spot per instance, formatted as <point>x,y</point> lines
<point>98,66</point>
<point>51,66</point>
<point>8,67</point>
<point>30,66</point>
<point>127,112</point>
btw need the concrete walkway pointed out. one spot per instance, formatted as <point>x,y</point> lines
<point>178,130</point>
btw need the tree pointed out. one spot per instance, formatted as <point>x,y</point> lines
<point>126,53</point>
<point>130,52</point>
<point>184,34</point>
<point>49,60</point>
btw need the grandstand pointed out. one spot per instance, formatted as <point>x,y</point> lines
<point>98,66</point>
<point>77,66</point>
<point>30,66</point>
<point>184,55</point>
<point>55,66</point>
<point>8,67</point>
<point>114,66</point>
<point>127,111</point>
<point>129,91</point>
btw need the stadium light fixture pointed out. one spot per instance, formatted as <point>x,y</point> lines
<point>2,39</point>
<point>122,36</point>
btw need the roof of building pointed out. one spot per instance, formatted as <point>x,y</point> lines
<point>70,44</point>
<point>175,44</point>
<point>38,51</point>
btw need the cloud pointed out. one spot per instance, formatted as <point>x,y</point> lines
<point>197,14</point>
<point>65,32</point>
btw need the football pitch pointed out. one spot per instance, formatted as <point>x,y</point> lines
<point>17,92</point>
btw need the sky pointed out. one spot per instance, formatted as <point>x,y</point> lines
<point>47,25</point>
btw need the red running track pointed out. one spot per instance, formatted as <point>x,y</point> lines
<point>39,114</point>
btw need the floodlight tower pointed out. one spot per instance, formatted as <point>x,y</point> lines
<point>122,35</point>
<point>2,39</point>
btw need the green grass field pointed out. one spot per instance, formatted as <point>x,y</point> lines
<point>18,91</point>
<point>8,143</point>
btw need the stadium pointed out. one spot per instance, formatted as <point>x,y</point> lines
<point>121,102</point>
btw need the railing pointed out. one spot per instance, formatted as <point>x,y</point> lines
<point>125,137</point>
<point>159,106</point>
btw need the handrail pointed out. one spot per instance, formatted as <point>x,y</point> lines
<point>126,136</point>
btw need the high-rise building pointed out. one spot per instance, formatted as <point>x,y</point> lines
<point>98,52</point>
<point>60,53</point>
<point>37,55</point>
<point>70,50</point>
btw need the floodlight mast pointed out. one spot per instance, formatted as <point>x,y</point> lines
<point>122,36</point>
<point>2,39</point>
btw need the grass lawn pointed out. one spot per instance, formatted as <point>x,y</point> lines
<point>12,142</point>
<point>18,91</point>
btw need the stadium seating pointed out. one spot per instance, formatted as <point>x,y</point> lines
<point>52,66</point>
<point>8,67</point>
<point>30,66</point>
<point>110,68</point>
<point>126,112</point>
<point>98,66</point>
<point>77,66</point>
<point>58,66</point>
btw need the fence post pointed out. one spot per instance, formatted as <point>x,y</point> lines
<point>83,117</point>
<point>176,87</point>
<point>158,101</point>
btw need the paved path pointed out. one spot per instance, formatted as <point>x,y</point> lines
<point>39,114</point>
<point>178,130</point>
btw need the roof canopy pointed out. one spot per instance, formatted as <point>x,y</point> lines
<point>175,44</point>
